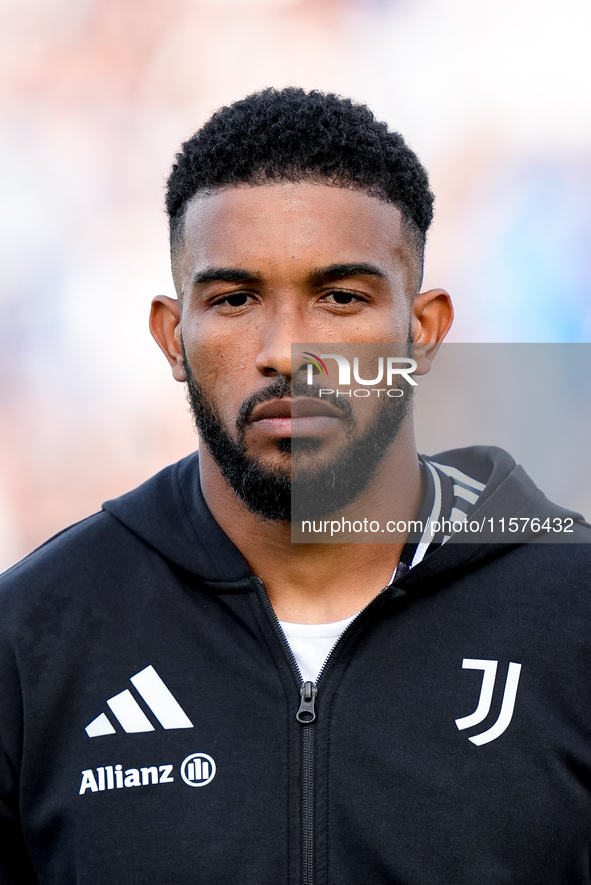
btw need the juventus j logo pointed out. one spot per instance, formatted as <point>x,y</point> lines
<point>485,700</point>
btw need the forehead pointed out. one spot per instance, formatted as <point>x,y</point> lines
<point>290,226</point>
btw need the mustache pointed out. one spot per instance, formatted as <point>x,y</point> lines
<point>280,389</point>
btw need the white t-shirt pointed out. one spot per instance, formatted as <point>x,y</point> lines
<point>311,644</point>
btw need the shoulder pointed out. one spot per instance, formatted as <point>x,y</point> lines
<point>69,564</point>
<point>566,556</point>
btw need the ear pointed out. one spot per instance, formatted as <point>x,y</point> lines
<point>432,314</point>
<point>165,326</point>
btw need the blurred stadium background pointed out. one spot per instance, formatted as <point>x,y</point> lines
<point>97,96</point>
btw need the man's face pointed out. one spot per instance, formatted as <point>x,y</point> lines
<point>261,268</point>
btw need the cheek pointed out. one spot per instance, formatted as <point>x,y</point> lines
<point>219,365</point>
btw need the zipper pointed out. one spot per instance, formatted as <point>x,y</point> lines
<point>306,716</point>
<point>307,712</point>
<point>327,665</point>
<point>275,621</point>
<point>336,647</point>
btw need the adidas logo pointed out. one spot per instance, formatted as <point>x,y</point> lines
<point>130,716</point>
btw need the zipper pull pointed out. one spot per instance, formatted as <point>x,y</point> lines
<point>308,693</point>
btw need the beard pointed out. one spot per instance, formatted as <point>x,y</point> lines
<point>307,487</point>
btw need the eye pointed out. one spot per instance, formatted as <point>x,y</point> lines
<point>342,297</point>
<point>233,301</point>
<point>237,299</point>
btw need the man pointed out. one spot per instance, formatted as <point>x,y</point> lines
<point>189,697</point>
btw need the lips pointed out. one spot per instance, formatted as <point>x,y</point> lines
<point>299,407</point>
<point>298,416</point>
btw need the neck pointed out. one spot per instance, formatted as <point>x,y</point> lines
<point>319,583</point>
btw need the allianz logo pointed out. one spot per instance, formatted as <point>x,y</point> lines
<point>196,770</point>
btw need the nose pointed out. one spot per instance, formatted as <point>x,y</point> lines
<point>283,328</point>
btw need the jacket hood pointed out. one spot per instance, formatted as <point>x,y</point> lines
<point>508,493</point>
<point>169,513</point>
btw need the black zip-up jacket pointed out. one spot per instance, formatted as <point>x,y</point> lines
<point>148,701</point>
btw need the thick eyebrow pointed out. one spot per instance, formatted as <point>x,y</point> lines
<point>319,274</point>
<point>342,271</point>
<point>224,275</point>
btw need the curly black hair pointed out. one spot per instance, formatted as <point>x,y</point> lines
<point>292,135</point>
